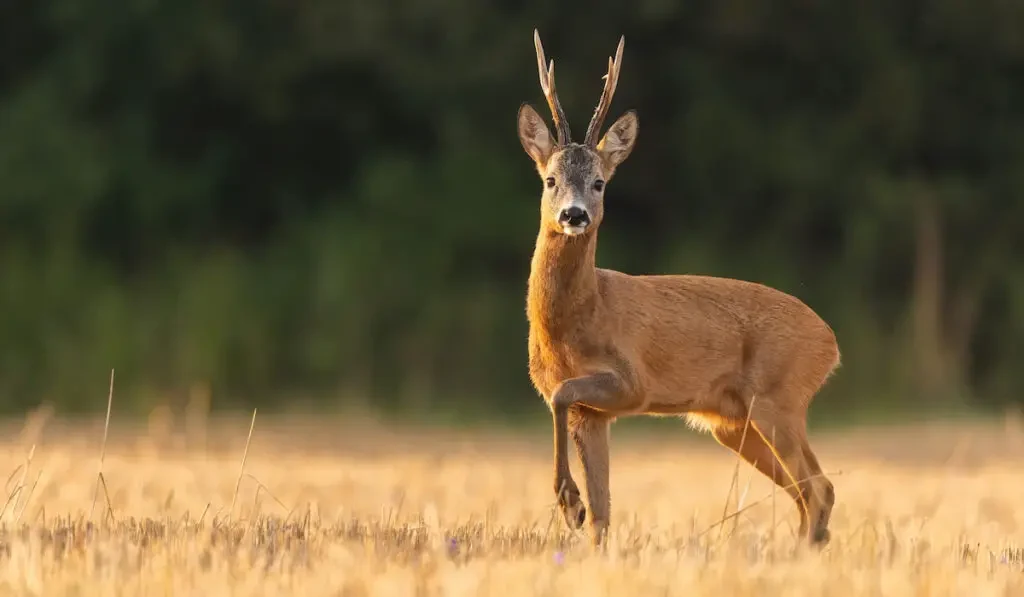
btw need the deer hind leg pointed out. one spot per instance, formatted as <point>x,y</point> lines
<point>589,430</point>
<point>813,492</point>
<point>825,491</point>
<point>817,493</point>
<point>758,454</point>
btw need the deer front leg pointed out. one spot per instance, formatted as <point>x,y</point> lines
<point>601,392</point>
<point>589,430</point>
<point>566,490</point>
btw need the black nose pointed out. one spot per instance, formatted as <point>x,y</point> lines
<point>574,216</point>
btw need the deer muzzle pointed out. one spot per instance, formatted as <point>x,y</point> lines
<point>573,219</point>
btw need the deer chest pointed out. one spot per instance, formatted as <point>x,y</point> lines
<point>552,363</point>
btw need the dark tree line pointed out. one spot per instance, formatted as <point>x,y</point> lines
<point>282,200</point>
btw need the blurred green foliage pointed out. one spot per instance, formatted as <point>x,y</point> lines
<point>327,199</point>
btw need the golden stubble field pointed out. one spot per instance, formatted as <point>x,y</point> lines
<point>328,506</point>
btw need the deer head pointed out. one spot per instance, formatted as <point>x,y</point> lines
<point>575,174</point>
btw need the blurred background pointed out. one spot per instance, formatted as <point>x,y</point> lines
<point>278,204</point>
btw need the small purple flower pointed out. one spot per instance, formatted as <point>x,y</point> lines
<point>559,558</point>
<point>453,545</point>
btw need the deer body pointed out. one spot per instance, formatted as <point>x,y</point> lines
<point>605,344</point>
<point>683,344</point>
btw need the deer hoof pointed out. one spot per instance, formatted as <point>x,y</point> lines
<point>571,505</point>
<point>575,516</point>
<point>574,511</point>
<point>821,537</point>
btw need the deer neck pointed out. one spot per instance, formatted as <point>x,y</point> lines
<point>562,293</point>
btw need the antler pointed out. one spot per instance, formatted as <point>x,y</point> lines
<point>611,79</point>
<point>547,84</point>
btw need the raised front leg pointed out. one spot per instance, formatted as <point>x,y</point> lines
<point>601,392</point>
<point>589,430</point>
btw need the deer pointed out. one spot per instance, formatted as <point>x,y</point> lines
<point>726,355</point>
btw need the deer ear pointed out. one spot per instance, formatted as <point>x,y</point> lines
<point>535,136</point>
<point>618,142</point>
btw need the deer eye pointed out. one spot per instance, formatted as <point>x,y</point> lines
<point>550,182</point>
<point>598,185</point>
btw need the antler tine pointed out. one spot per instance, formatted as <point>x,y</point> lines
<point>611,80</point>
<point>547,84</point>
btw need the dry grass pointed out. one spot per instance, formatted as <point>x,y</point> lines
<point>360,510</point>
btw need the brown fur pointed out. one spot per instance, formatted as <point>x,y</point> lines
<point>604,344</point>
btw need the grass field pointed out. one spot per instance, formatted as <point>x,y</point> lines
<point>359,509</point>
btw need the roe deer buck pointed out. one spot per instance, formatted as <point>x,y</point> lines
<point>604,344</point>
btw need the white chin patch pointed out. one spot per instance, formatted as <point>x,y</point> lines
<point>573,230</point>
